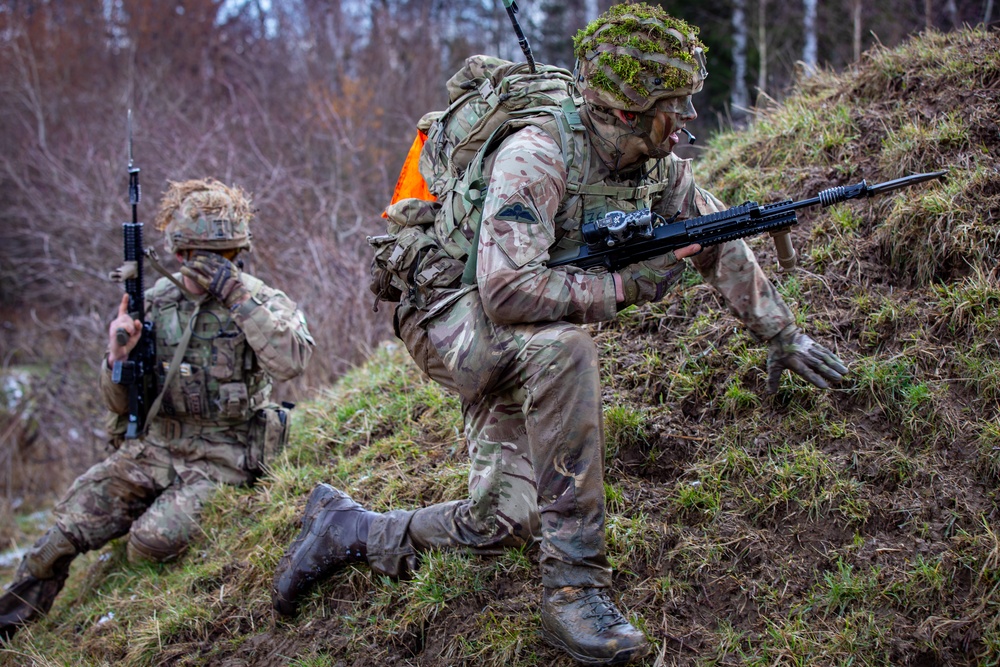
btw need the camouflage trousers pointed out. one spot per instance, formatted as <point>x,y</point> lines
<point>531,399</point>
<point>153,489</point>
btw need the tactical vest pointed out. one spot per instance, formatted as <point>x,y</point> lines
<point>219,381</point>
<point>589,195</point>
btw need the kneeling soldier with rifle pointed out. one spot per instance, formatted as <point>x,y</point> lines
<point>221,337</point>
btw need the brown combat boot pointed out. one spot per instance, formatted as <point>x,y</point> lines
<point>38,581</point>
<point>585,623</point>
<point>334,534</point>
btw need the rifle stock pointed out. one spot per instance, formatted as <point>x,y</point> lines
<point>619,239</point>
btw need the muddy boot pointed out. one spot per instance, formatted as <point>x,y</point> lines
<point>334,534</point>
<point>38,581</point>
<point>585,623</point>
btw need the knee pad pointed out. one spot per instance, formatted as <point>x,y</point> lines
<point>154,548</point>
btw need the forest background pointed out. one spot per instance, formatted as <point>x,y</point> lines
<point>310,105</point>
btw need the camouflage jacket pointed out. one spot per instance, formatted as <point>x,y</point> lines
<point>529,212</point>
<point>231,359</point>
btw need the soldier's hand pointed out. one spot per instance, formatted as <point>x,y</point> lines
<point>649,280</point>
<point>799,353</point>
<point>217,276</point>
<point>123,333</point>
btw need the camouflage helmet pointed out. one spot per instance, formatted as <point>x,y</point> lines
<point>634,54</point>
<point>204,214</point>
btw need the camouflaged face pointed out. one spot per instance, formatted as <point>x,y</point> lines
<point>204,214</point>
<point>635,54</point>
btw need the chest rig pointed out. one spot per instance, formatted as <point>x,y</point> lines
<point>590,192</point>
<point>218,380</point>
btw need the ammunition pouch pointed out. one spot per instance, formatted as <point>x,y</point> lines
<point>408,260</point>
<point>267,437</point>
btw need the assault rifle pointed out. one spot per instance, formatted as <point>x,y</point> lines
<point>137,373</point>
<point>619,239</point>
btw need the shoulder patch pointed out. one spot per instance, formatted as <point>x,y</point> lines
<point>517,212</point>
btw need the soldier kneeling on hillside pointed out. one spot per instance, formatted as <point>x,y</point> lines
<point>512,346</point>
<point>232,336</point>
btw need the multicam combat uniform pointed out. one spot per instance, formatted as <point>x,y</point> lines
<point>527,373</point>
<point>153,487</point>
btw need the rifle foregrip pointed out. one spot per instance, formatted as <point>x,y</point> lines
<point>783,244</point>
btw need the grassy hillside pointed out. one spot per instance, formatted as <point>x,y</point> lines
<point>857,526</point>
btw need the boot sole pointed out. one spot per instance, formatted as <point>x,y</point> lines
<point>620,658</point>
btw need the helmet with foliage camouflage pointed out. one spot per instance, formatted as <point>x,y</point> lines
<point>205,214</point>
<point>634,54</point>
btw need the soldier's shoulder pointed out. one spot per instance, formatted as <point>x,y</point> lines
<point>164,289</point>
<point>257,287</point>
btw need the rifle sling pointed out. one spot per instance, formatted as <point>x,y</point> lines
<point>155,262</point>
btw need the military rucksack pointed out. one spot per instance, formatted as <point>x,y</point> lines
<point>489,98</point>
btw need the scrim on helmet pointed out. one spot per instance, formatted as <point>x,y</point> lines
<point>634,54</point>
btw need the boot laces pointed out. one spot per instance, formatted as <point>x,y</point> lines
<point>603,610</point>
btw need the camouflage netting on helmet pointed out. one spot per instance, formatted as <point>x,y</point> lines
<point>636,53</point>
<point>205,214</point>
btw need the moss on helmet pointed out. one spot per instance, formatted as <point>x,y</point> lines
<point>644,28</point>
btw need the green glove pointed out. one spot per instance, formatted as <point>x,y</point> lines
<point>797,352</point>
<point>217,276</point>
<point>648,281</point>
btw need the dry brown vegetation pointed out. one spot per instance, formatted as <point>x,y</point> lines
<point>856,526</point>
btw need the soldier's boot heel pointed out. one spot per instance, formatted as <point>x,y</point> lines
<point>334,534</point>
<point>586,624</point>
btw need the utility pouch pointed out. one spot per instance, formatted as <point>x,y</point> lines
<point>267,437</point>
<point>233,400</point>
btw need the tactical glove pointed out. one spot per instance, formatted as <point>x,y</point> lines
<point>797,352</point>
<point>217,276</point>
<point>648,281</point>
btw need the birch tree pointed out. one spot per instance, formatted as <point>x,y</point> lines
<point>739,96</point>
<point>809,57</point>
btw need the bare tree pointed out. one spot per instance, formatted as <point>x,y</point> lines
<point>762,46</point>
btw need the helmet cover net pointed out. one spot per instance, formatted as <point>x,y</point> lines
<point>635,54</point>
<point>205,214</point>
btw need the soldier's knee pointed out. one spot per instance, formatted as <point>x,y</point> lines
<point>144,546</point>
<point>576,349</point>
<point>516,528</point>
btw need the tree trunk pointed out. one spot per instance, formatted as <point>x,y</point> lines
<point>762,46</point>
<point>739,97</point>
<point>809,57</point>
<point>856,15</point>
<point>952,10</point>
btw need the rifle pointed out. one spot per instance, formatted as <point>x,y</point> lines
<point>137,373</point>
<point>619,239</point>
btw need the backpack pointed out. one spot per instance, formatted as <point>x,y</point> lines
<point>484,95</point>
<point>489,98</point>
